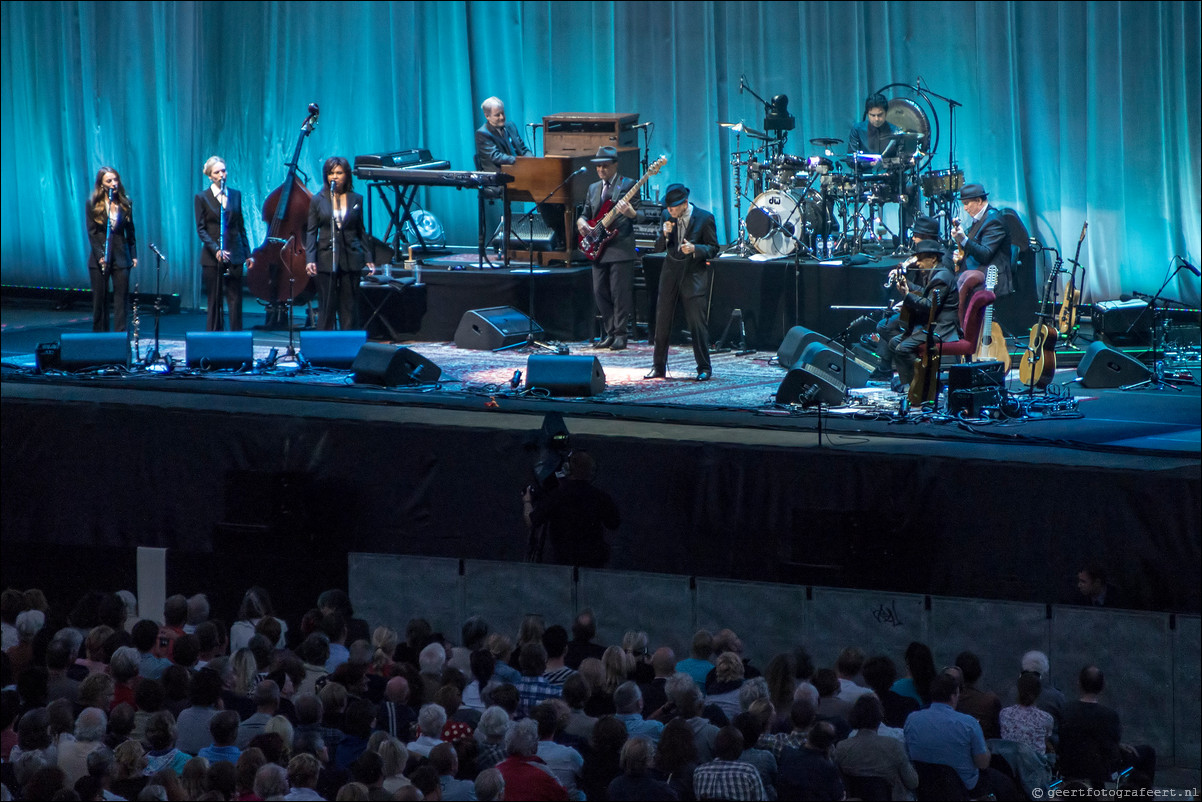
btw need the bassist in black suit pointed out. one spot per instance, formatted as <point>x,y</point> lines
<point>226,251</point>
<point>690,237</point>
<point>337,247</point>
<point>613,272</point>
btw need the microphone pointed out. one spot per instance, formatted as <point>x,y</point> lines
<point>642,125</point>
<point>534,126</point>
<point>1190,268</point>
<point>331,187</point>
<point>157,252</point>
<point>580,171</point>
<point>516,380</point>
<point>112,191</point>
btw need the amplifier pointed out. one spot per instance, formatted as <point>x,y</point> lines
<point>971,402</point>
<point>976,374</point>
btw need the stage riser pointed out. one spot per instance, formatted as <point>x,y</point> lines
<point>123,473</point>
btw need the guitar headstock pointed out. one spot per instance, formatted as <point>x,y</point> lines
<point>1084,226</point>
<point>657,165</point>
<point>991,277</point>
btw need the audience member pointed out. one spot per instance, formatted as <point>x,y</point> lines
<point>555,642</point>
<point>584,630</point>
<point>525,774</point>
<point>90,728</point>
<point>564,762</point>
<point>848,666</point>
<point>1024,722</point>
<point>637,781</point>
<point>727,777</point>
<point>1091,746</point>
<point>628,700</point>
<point>920,671</point>
<point>867,753</point>
<point>224,729</point>
<point>723,684</point>
<point>982,705</point>
<point>807,772</point>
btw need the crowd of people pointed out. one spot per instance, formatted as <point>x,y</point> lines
<point>99,704</point>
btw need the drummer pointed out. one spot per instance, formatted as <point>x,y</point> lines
<point>872,134</point>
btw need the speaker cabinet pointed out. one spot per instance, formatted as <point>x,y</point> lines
<point>1103,366</point>
<point>579,376</point>
<point>219,350</point>
<point>836,364</point>
<point>331,349</point>
<point>795,342</point>
<point>490,329</point>
<point>391,365</point>
<point>102,349</point>
<point>807,385</point>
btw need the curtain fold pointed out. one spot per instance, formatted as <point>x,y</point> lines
<point>1071,111</point>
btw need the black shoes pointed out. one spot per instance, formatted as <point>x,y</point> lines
<point>617,344</point>
<point>656,374</point>
<point>604,342</point>
<point>703,375</point>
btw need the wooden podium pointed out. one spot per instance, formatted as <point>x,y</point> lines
<point>534,179</point>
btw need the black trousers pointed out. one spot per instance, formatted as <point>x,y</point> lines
<point>103,298</point>
<point>337,300</point>
<point>691,286</point>
<point>222,289</point>
<point>613,287</point>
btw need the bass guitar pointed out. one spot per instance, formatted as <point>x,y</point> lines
<point>993,344</point>
<point>603,228</point>
<point>1066,318</point>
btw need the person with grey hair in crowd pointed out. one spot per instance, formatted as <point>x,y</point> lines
<point>526,775</point>
<point>490,737</point>
<point>430,721</point>
<point>28,624</point>
<point>490,786</point>
<point>271,782</point>
<point>90,728</point>
<point>628,700</point>
<point>636,781</point>
<point>686,697</point>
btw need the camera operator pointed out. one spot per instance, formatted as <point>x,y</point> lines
<point>572,514</point>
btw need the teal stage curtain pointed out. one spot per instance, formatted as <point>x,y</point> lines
<point>1071,111</point>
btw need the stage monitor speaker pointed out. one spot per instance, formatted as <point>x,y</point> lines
<point>525,237</point>
<point>331,349</point>
<point>103,349</point>
<point>1103,366</point>
<point>807,385</point>
<point>219,350</point>
<point>392,365</point>
<point>1123,323</point>
<point>579,376</point>
<point>833,361</point>
<point>493,328</point>
<point>795,342</point>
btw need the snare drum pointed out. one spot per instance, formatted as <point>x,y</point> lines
<point>941,182</point>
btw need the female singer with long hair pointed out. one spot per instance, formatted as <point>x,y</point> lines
<point>110,217</point>
<point>222,230</point>
<point>337,247</point>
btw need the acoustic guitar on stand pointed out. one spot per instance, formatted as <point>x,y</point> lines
<point>603,228</point>
<point>993,343</point>
<point>1066,318</point>
<point>1037,366</point>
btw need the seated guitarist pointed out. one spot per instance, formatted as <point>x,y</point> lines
<point>613,271</point>
<point>987,241</point>
<point>936,285</point>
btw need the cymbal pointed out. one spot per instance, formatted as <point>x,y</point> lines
<point>825,141</point>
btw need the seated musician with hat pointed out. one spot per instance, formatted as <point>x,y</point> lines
<point>935,286</point>
<point>987,241</point>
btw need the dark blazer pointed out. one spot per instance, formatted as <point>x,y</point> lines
<point>702,232</point>
<point>354,249</point>
<point>208,227</point>
<point>122,243</point>
<point>621,247</point>
<point>947,316</point>
<point>866,139</point>
<point>989,244</point>
<point>493,149</point>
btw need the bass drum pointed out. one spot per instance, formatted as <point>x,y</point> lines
<point>776,217</point>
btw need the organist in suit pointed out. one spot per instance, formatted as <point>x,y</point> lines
<point>498,143</point>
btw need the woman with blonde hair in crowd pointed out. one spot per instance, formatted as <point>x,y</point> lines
<point>384,642</point>
<point>283,728</point>
<point>599,703</point>
<point>393,756</point>
<point>129,765</point>
<point>638,646</point>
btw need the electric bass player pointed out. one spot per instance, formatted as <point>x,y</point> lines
<point>613,268</point>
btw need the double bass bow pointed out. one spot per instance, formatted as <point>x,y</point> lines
<point>278,273</point>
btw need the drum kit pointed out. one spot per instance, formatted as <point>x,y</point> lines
<point>828,205</point>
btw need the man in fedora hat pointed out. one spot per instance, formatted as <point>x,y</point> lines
<point>986,240</point>
<point>690,237</point>
<point>936,287</point>
<point>613,272</point>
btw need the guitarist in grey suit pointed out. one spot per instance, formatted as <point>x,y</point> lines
<point>987,241</point>
<point>613,270</point>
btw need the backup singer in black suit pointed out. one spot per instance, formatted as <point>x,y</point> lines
<point>987,241</point>
<point>223,255</point>
<point>690,237</point>
<point>613,272</point>
<point>110,219</point>
<point>336,227</point>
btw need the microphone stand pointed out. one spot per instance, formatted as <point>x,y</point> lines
<point>1156,380</point>
<point>334,274</point>
<point>222,264</point>
<point>530,340</point>
<point>153,357</point>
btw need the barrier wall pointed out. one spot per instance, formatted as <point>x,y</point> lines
<point>1151,660</point>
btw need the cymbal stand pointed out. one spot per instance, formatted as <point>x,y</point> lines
<point>742,244</point>
<point>291,352</point>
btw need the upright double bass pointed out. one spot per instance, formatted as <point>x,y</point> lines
<point>278,273</point>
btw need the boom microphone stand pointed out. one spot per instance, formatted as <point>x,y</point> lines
<point>531,341</point>
<point>1156,380</point>
<point>153,357</point>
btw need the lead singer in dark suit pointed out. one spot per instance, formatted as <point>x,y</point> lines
<point>336,225</point>
<point>221,267</point>
<point>690,237</point>
<point>613,272</point>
